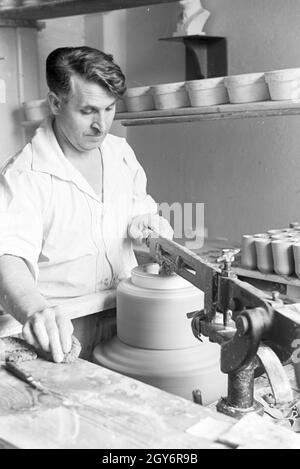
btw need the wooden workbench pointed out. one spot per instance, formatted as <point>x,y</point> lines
<point>98,408</point>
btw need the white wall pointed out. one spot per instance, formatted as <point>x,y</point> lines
<point>150,61</point>
<point>59,32</point>
<point>246,171</point>
<point>19,71</point>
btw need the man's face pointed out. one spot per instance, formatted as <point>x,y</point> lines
<point>85,118</point>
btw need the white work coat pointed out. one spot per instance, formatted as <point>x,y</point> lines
<point>74,241</point>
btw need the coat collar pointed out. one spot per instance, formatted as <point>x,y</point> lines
<point>48,157</point>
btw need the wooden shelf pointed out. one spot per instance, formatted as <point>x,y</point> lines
<point>225,111</point>
<point>273,278</point>
<point>195,114</point>
<point>59,8</point>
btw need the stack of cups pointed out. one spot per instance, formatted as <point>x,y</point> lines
<point>263,247</point>
<point>275,251</point>
<point>282,249</point>
<point>249,257</point>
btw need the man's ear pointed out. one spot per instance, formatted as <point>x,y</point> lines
<point>54,103</point>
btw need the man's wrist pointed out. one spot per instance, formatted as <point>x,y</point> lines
<point>27,307</point>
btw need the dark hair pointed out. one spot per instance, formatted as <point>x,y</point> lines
<point>91,64</point>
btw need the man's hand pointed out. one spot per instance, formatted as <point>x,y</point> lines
<point>51,331</point>
<point>142,224</point>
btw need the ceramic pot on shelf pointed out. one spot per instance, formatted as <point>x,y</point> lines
<point>284,235</point>
<point>139,99</point>
<point>284,84</point>
<point>282,250</point>
<point>262,235</point>
<point>170,96</point>
<point>295,224</point>
<point>249,257</point>
<point>207,92</point>
<point>264,255</point>
<point>277,231</point>
<point>247,88</point>
<point>296,252</point>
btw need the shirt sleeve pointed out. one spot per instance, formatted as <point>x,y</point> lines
<point>142,202</point>
<point>21,225</point>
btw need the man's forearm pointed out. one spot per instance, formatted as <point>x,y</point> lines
<point>18,293</point>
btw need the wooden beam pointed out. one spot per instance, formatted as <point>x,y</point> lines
<point>60,8</point>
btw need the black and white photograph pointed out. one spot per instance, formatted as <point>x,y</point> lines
<point>149,227</point>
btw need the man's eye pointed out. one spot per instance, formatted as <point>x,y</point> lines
<point>110,108</point>
<point>86,111</point>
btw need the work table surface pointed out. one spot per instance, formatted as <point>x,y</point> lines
<point>98,408</point>
<point>101,409</point>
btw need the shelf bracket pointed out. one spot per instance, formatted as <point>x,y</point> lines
<point>206,56</point>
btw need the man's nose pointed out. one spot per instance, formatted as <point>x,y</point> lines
<point>99,124</point>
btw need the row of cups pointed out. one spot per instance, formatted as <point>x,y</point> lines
<point>275,251</point>
<point>253,87</point>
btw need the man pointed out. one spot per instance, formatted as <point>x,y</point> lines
<point>71,201</point>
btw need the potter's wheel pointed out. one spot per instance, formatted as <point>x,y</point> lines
<point>154,341</point>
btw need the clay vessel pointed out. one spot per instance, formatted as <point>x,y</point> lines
<point>283,258</point>
<point>249,258</point>
<point>296,252</point>
<point>264,255</point>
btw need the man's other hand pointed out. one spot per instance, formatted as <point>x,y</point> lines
<point>51,330</point>
<point>141,226</point>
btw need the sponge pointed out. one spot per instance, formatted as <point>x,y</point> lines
<point>69,357</point>
<point>17,350</point>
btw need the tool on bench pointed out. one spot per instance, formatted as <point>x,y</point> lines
<point>20,373</point>
<point>255,330</point>
<point>15,351</point>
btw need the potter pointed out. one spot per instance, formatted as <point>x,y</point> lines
<point>192,19</point>
<point>83,191</point>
